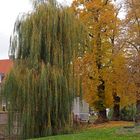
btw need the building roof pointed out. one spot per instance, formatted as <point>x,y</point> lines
<point>5,65</point>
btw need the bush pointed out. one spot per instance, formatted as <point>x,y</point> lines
<point>128,113</point>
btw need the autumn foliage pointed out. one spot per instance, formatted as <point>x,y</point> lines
<point>105,67</point>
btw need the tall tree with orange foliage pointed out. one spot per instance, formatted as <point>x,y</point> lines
<point>103,68</point>
<point>99,17</point>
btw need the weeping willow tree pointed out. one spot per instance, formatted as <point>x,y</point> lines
<point>40,88</point>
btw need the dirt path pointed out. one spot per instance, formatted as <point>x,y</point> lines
<point>112,124</point>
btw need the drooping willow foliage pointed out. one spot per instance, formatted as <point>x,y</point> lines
<point>41,86</point>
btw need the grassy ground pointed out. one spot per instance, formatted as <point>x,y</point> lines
<point>108,131</point>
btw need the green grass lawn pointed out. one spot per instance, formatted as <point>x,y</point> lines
<point>115,133</point>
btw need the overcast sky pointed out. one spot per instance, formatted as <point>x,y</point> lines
<point>9,10</point>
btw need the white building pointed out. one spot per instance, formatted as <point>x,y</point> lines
<point>80,110</point>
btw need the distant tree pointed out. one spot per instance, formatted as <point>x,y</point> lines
<point>132,37</point>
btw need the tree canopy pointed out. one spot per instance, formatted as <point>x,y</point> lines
<point>104,69</point>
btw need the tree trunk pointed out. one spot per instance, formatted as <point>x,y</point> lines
<point>116,108</point>
<point>102,116</point>
<point>100,104</point>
